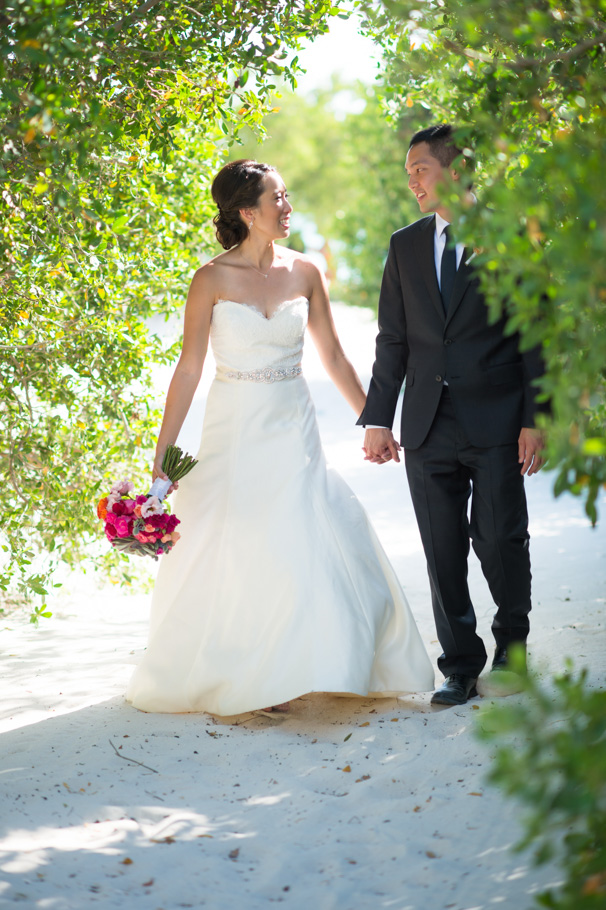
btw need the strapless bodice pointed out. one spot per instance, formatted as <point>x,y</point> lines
<point>244,340</point>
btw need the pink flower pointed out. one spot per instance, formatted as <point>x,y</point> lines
<point>122,487</point>
<point>149,528</point>
<point>123,526</point>
<point>110,531</point>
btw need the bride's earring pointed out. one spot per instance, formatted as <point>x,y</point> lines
<point>250,224</point>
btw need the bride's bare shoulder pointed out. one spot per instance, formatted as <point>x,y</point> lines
<point>298,260</point>
<point>211,276</point>
<point>217,264</point>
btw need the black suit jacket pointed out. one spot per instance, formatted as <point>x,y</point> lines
<point>489,378</point>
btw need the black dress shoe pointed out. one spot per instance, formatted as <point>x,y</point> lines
<point>455,690</point>
<point>502,655</point>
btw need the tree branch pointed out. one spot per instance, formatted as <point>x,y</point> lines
<point>140,11</point>
<point>521,63</point>
<point>133,760</point>
<point>576,51</point>
<point>194,11</point>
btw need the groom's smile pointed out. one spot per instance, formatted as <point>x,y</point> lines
<point>426,178</point>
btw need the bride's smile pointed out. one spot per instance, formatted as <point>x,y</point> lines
<point>271,216</point>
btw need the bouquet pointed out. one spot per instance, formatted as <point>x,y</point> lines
<point>141,524</point>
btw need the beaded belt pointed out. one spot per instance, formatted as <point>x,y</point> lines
<point>265,375</point>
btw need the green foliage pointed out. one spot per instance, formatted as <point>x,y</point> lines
<point>526,79</point>
<point>346,174</point>
<point>551,757</point>
<point>113,118</point>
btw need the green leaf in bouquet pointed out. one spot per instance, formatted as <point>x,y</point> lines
<point>127,546</point>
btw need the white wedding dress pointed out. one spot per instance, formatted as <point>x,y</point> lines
<point>279,585</point>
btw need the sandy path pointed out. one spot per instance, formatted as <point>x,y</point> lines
<point>255,812</point>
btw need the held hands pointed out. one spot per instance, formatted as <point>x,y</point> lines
<point>530,447</point>
<point>380,446</point>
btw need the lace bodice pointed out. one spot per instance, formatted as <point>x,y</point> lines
<point>243,339</point>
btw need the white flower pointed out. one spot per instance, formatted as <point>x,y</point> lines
<point>151,506</point>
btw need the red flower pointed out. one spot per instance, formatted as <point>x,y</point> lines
<point>157,521</point>
<point>172,523</point>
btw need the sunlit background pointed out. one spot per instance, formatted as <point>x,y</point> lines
<point>341,159</point>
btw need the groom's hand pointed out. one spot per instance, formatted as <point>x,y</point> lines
<point>380,446</point>
<point>530,447</point>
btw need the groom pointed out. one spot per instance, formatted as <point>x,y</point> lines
<point>467,422</point>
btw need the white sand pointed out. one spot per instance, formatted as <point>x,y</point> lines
<point>256,812</point>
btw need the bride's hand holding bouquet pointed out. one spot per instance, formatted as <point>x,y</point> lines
<point>142,524</point>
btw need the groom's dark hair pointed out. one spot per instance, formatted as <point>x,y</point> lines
<point>440,141</point>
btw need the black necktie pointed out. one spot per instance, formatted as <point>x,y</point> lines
<point>448,270</point>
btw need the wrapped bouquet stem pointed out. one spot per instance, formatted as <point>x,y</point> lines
<point>175,464</point>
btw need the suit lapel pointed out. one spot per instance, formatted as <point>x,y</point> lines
<point>424,249</point>
<point>462,279</point>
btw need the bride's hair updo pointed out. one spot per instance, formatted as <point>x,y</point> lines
<point>238,185</point>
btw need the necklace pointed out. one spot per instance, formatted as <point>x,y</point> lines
<point>255,269</point>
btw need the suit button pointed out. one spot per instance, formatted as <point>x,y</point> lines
<point>438,379</point>
<point>448,341</point>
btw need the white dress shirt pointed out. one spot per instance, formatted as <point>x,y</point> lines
<point>439,243</point>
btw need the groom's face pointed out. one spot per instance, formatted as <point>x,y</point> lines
<point>427,179</point>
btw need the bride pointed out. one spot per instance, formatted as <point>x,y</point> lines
<point>279,585</point>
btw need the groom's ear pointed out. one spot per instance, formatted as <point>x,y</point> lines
<point>461,170</point>
<point>455,172</point>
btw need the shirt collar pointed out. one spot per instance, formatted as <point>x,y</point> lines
<point>441,223</point>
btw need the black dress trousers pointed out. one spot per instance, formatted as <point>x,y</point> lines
<point>443,474</point>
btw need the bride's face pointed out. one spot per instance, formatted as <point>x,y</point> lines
<point>272,213</point>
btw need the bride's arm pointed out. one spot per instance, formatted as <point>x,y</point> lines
<point>322,330</point>
<point>198,312</point>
